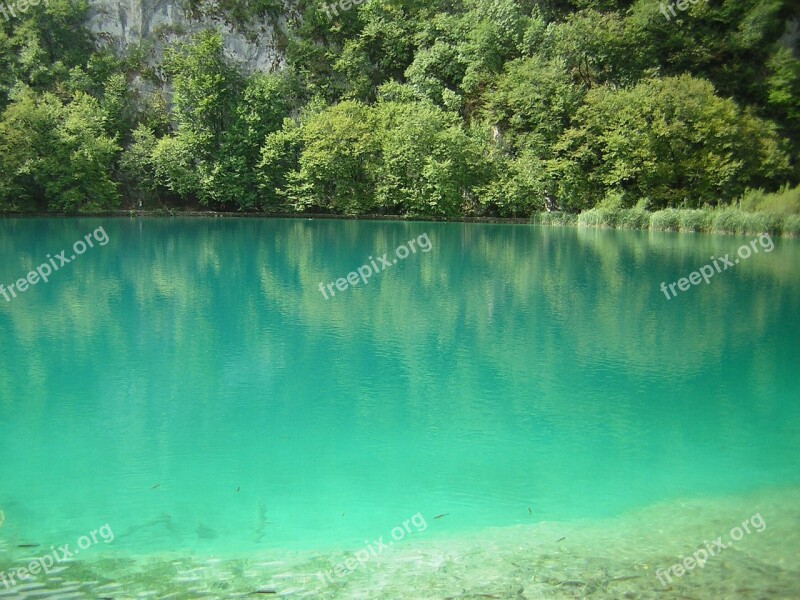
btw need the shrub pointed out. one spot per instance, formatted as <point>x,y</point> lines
<point>791,225</point>
<point>725,220</point>
<point>634,218</point>
<point>554,218</point>
<point>611,212</point>
<point>668,219</point>
<point>751,199</point>
<point>785,201</point>
<point>696,220</point>
<point>597,217</point>
<point>734,220</point>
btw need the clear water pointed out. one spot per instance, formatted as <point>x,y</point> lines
<point>189,385</point>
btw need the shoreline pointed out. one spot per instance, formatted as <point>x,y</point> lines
<point>208,214</point>
<point>726,221</point>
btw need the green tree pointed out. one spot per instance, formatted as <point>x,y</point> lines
<point>265,101</point>
<point>532,103</point>
<point>205,87</point>
<point>175,168</point>
<point>598,48</point>
<point>784,93</point>
<point>56,156</point>
<point>205,94</point>
<point>336,165</point>
<point>137,168</point>
<point>428,164</point>
<point>672,140</point>
<point>495,34</point>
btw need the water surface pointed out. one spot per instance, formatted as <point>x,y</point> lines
<point>189,385</point>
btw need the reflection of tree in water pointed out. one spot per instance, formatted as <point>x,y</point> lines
<point>516,311</point>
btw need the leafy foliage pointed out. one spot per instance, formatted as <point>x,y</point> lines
<point>671,140</point>
<point>412,107</point>
<point>56,156</point>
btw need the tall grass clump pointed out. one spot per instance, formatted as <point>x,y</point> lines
<point>777,213</point>
<point>734,220</point>
<point>784,202</point>
<point>700,219</point>
<point>634,218</point>
<point>598,217</point>
<point>554,218</point>
<point>668,219</point>
<point>611,212</point>
<point>791,225</point>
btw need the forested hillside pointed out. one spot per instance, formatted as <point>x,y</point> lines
<point>411,107</point>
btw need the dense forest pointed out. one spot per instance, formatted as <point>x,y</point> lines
<point>428,108</point>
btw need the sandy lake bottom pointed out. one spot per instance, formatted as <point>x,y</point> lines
<point>610,558</point>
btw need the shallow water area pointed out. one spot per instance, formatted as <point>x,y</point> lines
<point>609,558</point>
<point>518,412</point>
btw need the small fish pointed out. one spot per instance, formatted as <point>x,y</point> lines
<point>27,545</point>
<point>440,516</point>
<point>158,485</point>
<point>530,512</point>
<point>263,592</point>
<point>238,488</point>
<point>561,538</point>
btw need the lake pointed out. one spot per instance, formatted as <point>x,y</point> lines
<point>213,393</point>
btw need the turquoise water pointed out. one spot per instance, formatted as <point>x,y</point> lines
<point>188,384</point>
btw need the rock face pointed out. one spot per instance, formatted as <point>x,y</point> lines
<point>122,23</point>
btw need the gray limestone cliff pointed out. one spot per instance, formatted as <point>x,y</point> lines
<point>120,24</point>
